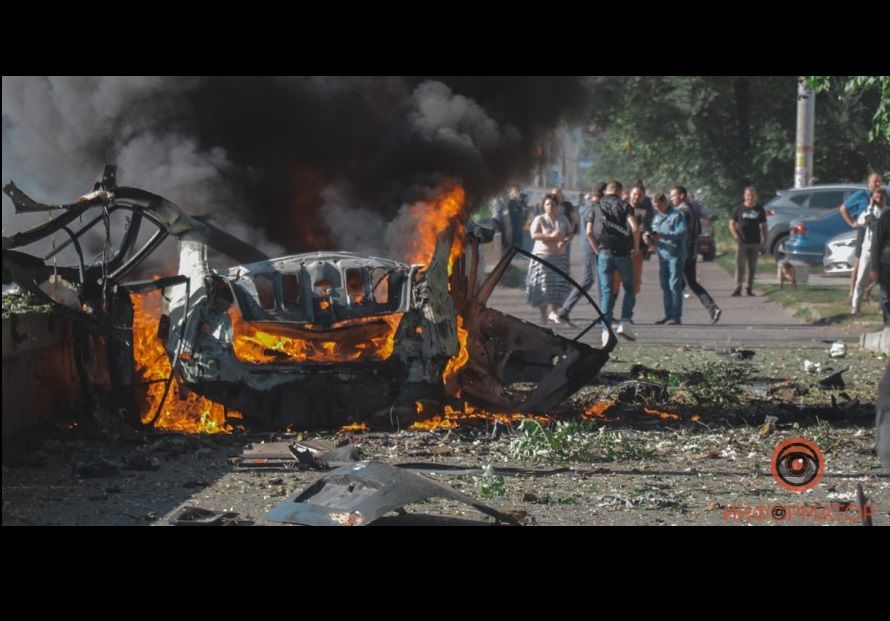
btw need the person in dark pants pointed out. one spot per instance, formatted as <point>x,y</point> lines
<point>748,228</point>
<point>500,219</point>
<point>693,230</point>
<point>617,238</point>
<point>644,217</point>
<point>668,235</point>
<point>518,212</point>
<point>880,263</point>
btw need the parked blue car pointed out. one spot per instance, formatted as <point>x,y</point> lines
<point>810,235</point>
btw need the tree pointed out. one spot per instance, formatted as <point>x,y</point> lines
<point>857,86</point>
<point>721,133</point>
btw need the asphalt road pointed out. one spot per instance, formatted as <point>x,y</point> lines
<point>746,321</point>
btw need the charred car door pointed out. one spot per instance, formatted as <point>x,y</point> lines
<point>516,366</point>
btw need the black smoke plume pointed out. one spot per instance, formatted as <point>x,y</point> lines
<point>305,163</point>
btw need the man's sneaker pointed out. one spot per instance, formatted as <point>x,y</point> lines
<point>686,295</point>
<point>555,318</point>
<point>624,331</point>
<point>605,337</point>
<point>750,292</point>
<point>715,315</point>
<point>662,321</point>
<point>737,293</point>
<point>672,322</point>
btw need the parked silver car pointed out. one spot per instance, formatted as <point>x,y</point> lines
<point>840,254</point>
<point>797,203</point>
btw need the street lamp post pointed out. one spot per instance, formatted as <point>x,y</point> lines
<point>806,121</point>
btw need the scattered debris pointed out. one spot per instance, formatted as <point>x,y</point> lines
<point>196,516</point>
<point>768,427</point>
<point>878,342</point>
<point>99,468</point>
<point>359,494</point>
<point>834,381</point>
<point>812,367</point>
<point>537,500</point>
<point>736,354</point>
<point>647,500</point>
<point>141,462</point>
<point>497,430</point>
<point>838,350</point>
<point>636,391</point>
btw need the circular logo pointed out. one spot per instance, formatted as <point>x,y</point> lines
<point>797,464</point>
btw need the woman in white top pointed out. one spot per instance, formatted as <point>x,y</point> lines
<point>551,233</point>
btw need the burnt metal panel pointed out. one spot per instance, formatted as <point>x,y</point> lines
<point>504,351</point>
<point>359,494</point>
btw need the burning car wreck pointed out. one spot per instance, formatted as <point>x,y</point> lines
<point>314,340</point>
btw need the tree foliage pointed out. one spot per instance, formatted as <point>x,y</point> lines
<point>857,86</point>
<point>718,134</point>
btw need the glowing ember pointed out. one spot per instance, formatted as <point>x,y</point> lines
<point>194,413</point>
<point>453,418</point>
<point>353,427</point>
<point>661,415</point>
<point>597,410</point>
<point>436,422</point>
<point>368,338</point>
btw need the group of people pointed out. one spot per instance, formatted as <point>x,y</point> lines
<point>619,229</point>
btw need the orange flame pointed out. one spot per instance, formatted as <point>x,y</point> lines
<point>431,218</point>
<point>661,415</point>
<point>264,342</point>
<point>460,360</point>
<point>353,427</point>
<point>453,418</point>
<point>194,414</point>
<point>597,410</point>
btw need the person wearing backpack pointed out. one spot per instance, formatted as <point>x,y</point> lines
<point>644,215</point>
<point>617,237</point>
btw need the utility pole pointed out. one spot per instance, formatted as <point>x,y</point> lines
<point>806,123</point>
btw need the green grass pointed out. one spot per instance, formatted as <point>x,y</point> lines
<point>815,304</point>
<point>825,305</point>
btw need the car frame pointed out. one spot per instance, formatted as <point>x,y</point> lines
<point>446,347</point>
